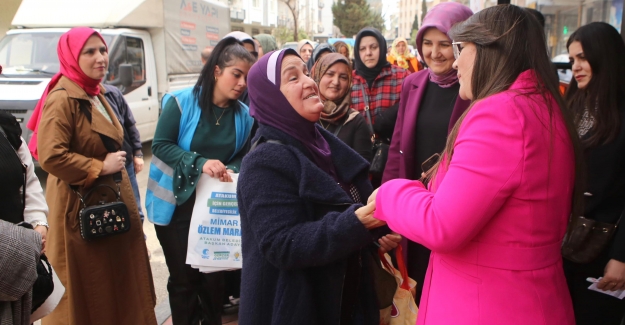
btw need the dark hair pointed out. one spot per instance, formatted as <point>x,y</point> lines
<point>509,42</point>
<point>604,50</point>
<point>538,15</point>
<point>227,51</point>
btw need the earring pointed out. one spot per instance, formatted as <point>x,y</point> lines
<point>215,78</point>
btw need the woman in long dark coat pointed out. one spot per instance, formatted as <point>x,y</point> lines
<point>306,235</point>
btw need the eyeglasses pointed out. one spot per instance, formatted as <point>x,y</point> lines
<point>457,46</point>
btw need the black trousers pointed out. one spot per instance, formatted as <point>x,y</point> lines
<point>591,307</point>
<point>193,296</point>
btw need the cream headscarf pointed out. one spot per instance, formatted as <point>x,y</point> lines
<point>401,58</point>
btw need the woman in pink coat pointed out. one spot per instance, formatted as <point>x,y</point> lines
<point>496,209</point>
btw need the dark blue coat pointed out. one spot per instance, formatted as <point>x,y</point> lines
<point>298,231</point>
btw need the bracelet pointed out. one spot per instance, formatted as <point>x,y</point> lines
<point>139,156</point>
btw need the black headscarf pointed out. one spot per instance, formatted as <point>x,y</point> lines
<point>361,69</point>
<point>323,47</point>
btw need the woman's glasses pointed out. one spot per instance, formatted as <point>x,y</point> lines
<point>457,46</point>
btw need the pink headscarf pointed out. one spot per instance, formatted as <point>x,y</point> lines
<point>442,17</point>
<point>68,50</point>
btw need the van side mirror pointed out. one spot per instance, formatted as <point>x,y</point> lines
<point>125,74</point>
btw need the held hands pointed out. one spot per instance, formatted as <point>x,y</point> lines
<point>215,168</point>
<point>373,196</point>
<point>365,215</point>
<point>43,231</point>
<point>613,277</point>
<point>113,163</point>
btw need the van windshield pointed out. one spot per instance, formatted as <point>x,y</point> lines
<point>31,54</point>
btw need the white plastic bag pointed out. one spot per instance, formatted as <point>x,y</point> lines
<point>215,231</point>
<point>52,301</point>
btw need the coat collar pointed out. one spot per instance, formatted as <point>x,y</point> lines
<point>385,72</point>
<point>99,123</point>
<point>316,185</point>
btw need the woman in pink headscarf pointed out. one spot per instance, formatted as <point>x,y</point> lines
<point>429,107</point>
<point>77,141</point>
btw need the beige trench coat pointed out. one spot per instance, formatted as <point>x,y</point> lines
<point>107,280</point>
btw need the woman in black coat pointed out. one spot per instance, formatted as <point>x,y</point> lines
<point>333,76</point>
<point>306,236</point>
<point>596,97</point>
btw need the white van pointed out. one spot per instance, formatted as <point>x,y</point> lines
<point>157,50</point>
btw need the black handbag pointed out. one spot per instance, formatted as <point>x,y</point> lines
<point>586,239</point>
<point>380,148</point>
<point>105,218</point>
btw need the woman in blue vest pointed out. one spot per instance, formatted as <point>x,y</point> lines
<point>203,129</point>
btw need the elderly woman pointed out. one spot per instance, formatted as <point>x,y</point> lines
<point>497,208</point>
<point>306,234</point>
<point>400,55</point>
<point>305,49</point>
<point>333,76</point>
<point>429,108</point>
<point>74,123</point>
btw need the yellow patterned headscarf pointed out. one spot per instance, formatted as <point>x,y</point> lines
<point>401,58</point>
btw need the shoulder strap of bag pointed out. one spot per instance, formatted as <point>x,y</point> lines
<point>367,112</point>
<point>336,132</point>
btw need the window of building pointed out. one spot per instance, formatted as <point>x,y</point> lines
<point>562,18</point>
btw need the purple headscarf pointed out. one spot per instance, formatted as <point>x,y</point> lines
<point>269,107</point>
<point>442,17</point>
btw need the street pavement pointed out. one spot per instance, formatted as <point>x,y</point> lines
<point>157,262</point>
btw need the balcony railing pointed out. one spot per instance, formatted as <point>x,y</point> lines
<point>284,22</point>
<point>237,16</point>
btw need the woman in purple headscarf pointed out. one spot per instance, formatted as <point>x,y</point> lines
<point>307,235</point>
<point>429,108</point>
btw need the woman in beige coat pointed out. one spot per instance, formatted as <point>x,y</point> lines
<point>107,280</point>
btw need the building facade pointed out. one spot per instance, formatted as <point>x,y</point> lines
<point>253,16</point>
<point>314,18</point>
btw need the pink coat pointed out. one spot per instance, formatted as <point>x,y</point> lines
<point>495,218</point>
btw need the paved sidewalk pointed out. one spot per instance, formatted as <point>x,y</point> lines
<point>163,315</point>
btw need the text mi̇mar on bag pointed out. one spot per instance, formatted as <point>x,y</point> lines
<point>214,242</point>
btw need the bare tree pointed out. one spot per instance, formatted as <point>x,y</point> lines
<point>293,6</point>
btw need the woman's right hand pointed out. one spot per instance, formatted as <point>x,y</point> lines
<point>365,215</point>
<point>215,168</point>
<point>113,163</point>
